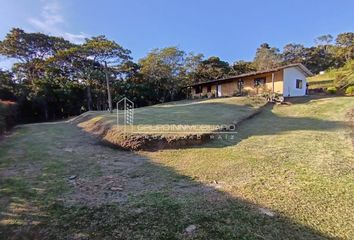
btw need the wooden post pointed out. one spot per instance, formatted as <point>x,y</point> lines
<point>273,96</point>
<point>273,83</point>
<point>108,89</point>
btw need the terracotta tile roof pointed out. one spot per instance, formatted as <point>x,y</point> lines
<point>299,65</point>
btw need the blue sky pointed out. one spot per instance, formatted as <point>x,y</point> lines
<point>229,29</point>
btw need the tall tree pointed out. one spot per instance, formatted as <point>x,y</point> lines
<point>267,57</point>
<point>193,61</point>
<point>212,68</point>
<point>164,69</point>
<point>293,53</point>
<point>87,61</point>
<point>31,49</point>
<point>126,70</point>
<point>7,86</point>
<point>324,39</point>
<point>241,67</point>
<point>81,69</point>
<point>317,59</point>
<point>345,42</point>
<point>105,52</point>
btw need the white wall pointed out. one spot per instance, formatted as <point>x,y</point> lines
<point>290,76</point>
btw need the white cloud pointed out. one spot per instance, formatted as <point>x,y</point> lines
<point>75,38</point>
<point>51,21</point>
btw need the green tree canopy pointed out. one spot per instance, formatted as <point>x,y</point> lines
<point>241,67</point>
<point>165,69</point>
<point>267,57</point>
<point>212,68</point>
<point>293,53</point>
<point>345,43</point>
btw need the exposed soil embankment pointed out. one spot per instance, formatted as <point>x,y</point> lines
<point>111,135</point>
<point>115,137</point>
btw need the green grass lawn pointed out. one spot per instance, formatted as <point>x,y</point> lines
<point>322,80</point>
<point>329,74</point>
<point>287,174</point>
<point>196,115</point>
<point>327,79</point>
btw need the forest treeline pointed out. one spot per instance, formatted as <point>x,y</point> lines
<point>54,78</point>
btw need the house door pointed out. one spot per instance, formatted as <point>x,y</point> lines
<point>218,89</point>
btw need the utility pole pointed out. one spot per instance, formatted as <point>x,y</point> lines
<point>108,89</point>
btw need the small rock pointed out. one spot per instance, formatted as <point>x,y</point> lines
<point>116,189</point>
<point>80,236</point>
<point>72,177</point>
<point>267,212</point>
<point>190,229</point>
<point>68,149</point>
<point>138,210</point>
<point>109,183</point>
<point>215,182</point>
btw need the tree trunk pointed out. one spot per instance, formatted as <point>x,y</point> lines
<point>172,95</point>
<point>108,89</point>
<point>89,97</point>
<point>46,115</point>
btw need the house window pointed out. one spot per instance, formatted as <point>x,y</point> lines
<point>259,82</point>
<point>198,89</point>
<point>299,83</point>
<point>208,88</point>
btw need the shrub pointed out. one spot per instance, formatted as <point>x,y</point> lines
<point>332,90</point>
<point>349,90</point>
<point>204,95</point>
<point>247,92</point>
<point>237,93</point>
<point>7,115</point>
<point>213,94</point>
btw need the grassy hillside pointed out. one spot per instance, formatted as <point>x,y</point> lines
<point>322,80</point>
<point>327,79</point>
<point>287,174</point>
<point>328,75</point>
<point>170,120</point>
<point>207,112</point>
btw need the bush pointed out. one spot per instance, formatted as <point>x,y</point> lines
<point>332,90</point>
<point>237,93</point>
<point>213,94</point>
<point>7,115</point>
<point>349,90</point>
<point>246,92</point>
<point>204,95</point>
